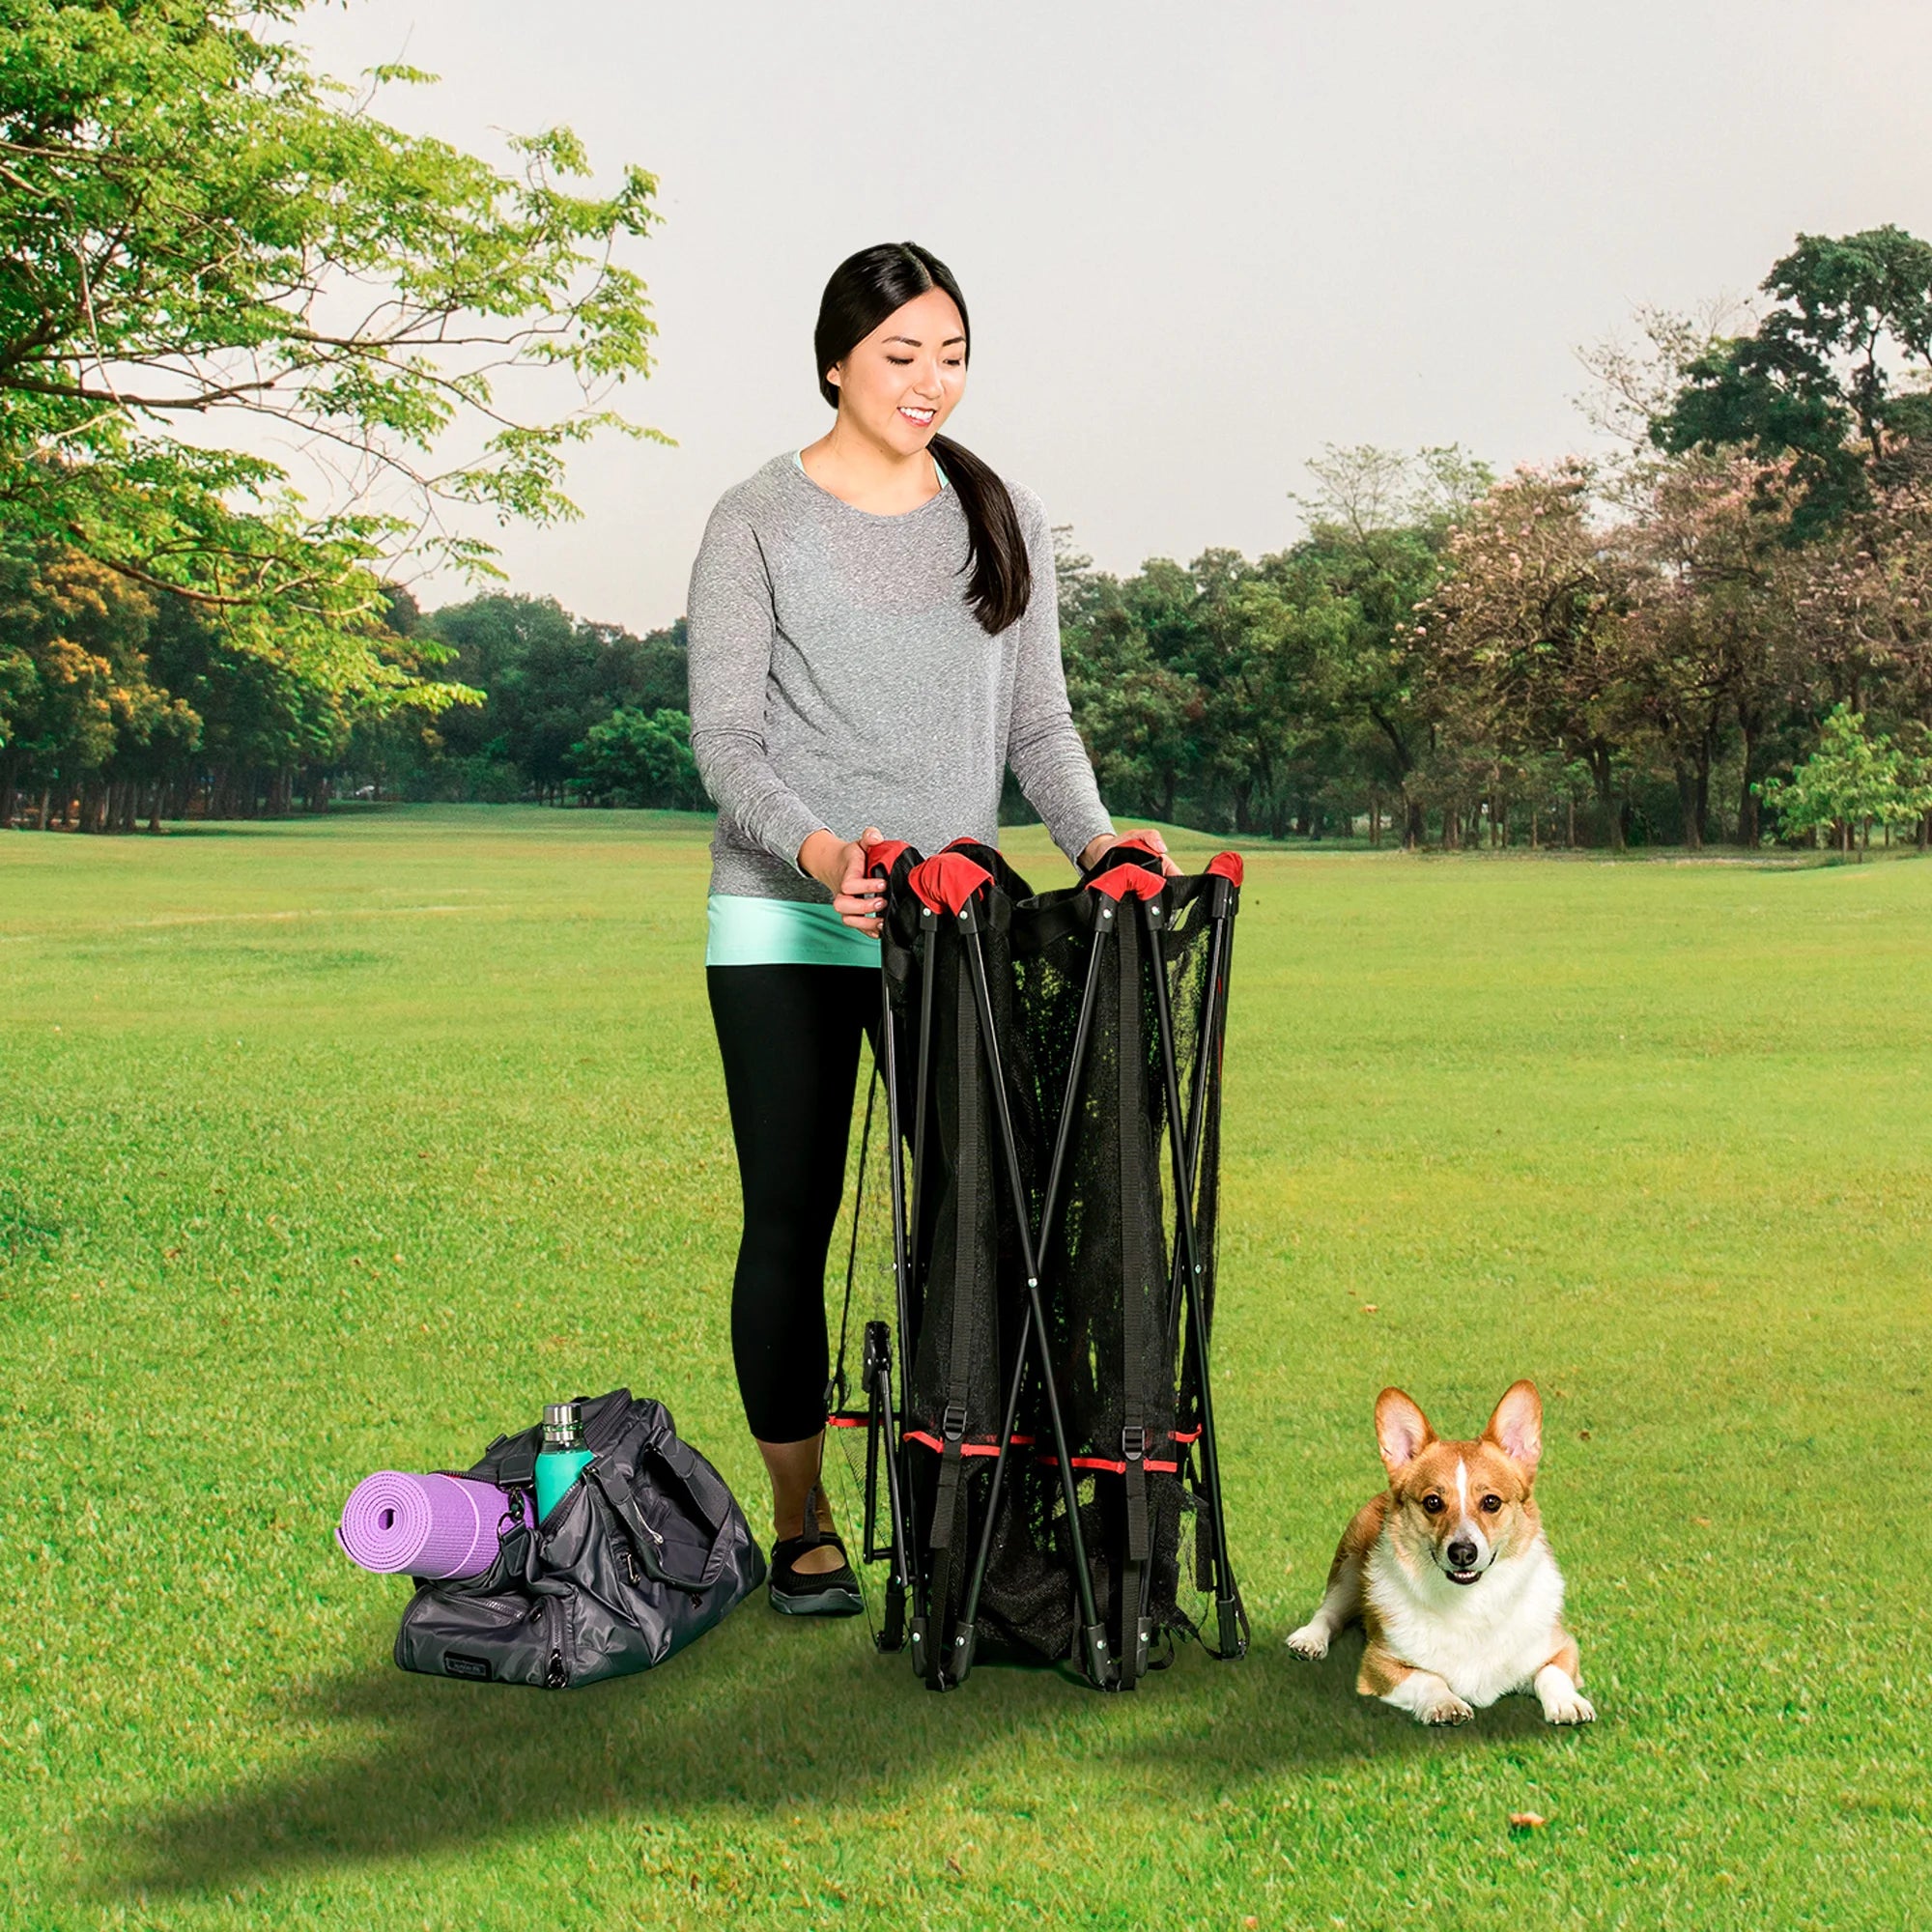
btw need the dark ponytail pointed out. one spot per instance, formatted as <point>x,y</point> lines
<point>863,290</point>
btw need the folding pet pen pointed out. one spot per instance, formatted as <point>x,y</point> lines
<point>1052,1065</point>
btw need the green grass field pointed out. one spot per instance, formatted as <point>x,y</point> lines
<point>336,1144</point>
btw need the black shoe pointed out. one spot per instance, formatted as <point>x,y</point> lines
<point>822,1593</point>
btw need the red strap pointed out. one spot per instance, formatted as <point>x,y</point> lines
<point>1117,1468</point>
<point>946,881</point>
<point>880,859</point>
<point>927,1441</point>
<point>1227,865</point>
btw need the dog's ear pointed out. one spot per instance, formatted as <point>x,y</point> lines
<point>1401,1431</point>
<point>1517,1426</point>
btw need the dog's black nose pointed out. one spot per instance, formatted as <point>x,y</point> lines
<point>1462,1555</point>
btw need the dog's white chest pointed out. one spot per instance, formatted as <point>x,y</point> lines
<point>1484,1640</point>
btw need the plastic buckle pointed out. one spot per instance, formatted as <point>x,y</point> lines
<point>953,1424</point>
<point>1133,1442</point>
<point>877,1351</point>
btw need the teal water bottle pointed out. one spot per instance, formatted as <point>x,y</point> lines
<point>563,1457</point>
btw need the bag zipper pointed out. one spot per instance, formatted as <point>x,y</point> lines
<point>556,1676</point>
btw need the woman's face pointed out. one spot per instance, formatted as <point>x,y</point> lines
<point>899,384</point>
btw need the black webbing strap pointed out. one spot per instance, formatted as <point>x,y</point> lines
<point>1134,1244</point>
<point>966,1272</point>
<point>836,1387</point>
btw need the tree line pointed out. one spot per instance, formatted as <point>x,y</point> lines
<point>210,252</point>
<point>1721,630</point>
<point>1718,631</point>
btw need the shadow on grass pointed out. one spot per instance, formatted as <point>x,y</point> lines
<point>762,1718</point>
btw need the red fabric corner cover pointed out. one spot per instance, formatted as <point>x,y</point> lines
<point>880,859</point>
<point>1227,865</point>
<point>1137,841</point>
<point>1120,880</point>
<point>946,881</point>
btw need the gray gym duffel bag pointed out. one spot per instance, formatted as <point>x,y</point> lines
<point>644,1553</point>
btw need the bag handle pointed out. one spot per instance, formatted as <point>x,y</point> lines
<point>647,1541</point>
<point>706,1489</point>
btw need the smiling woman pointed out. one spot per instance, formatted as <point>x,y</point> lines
<point>874,638</point>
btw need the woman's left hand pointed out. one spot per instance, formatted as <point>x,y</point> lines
<point>1095,849</point>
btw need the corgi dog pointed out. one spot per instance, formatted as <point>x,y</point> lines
<point>1458,1596</point>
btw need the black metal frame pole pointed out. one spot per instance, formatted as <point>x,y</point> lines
<point>1227,1600</point>
<point>1216,1013</point>
<point>901,1243</point>
<point>1205,1067</point>
<point>1049,1204</point>
<point>892,1635</point>
<point>928,925</point>
<point>1094,1637</point>
<point>897,1581</point>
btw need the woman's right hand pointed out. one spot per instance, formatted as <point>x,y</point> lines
<point>838,865</point>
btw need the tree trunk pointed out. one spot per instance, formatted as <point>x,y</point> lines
<point>1374,818</point>
<point>1571,840</point>
<point>1748,833</point>
<point>1687,808</point>
<point>1599,773</point>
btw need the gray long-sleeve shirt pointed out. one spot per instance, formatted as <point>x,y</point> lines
<point>839,679</point>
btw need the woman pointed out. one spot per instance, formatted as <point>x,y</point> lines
<point>874,638</point>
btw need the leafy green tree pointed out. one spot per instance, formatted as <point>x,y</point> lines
<point>549,677</point>
<point>1852,780</point>
<point>78,706</point>
<point>1719,653</point>
<point>1379,523</point>
<point>1137,715</point>
<point>635,759</point>
<point>1819,378</point>
<point>197,230</point>
<point>1529,628</point>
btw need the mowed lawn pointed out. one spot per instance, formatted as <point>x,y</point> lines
<point>339,1144</point>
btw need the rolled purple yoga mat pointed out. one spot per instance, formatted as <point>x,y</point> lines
<point>427,1525</point>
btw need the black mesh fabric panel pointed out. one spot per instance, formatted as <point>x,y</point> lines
<point>1108,1271</point>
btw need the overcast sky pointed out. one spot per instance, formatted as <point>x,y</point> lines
<point>1196,245</point>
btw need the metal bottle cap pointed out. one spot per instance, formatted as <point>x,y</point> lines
<point>563,1422</point>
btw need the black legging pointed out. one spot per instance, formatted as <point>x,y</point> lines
<point>789,1037</point>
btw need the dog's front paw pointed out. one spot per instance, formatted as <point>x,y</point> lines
<point>1310,1641</point>
<point>1574,1709</point>
<point>1447,1709</point>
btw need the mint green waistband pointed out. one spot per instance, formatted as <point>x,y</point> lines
<point>741,930</point>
